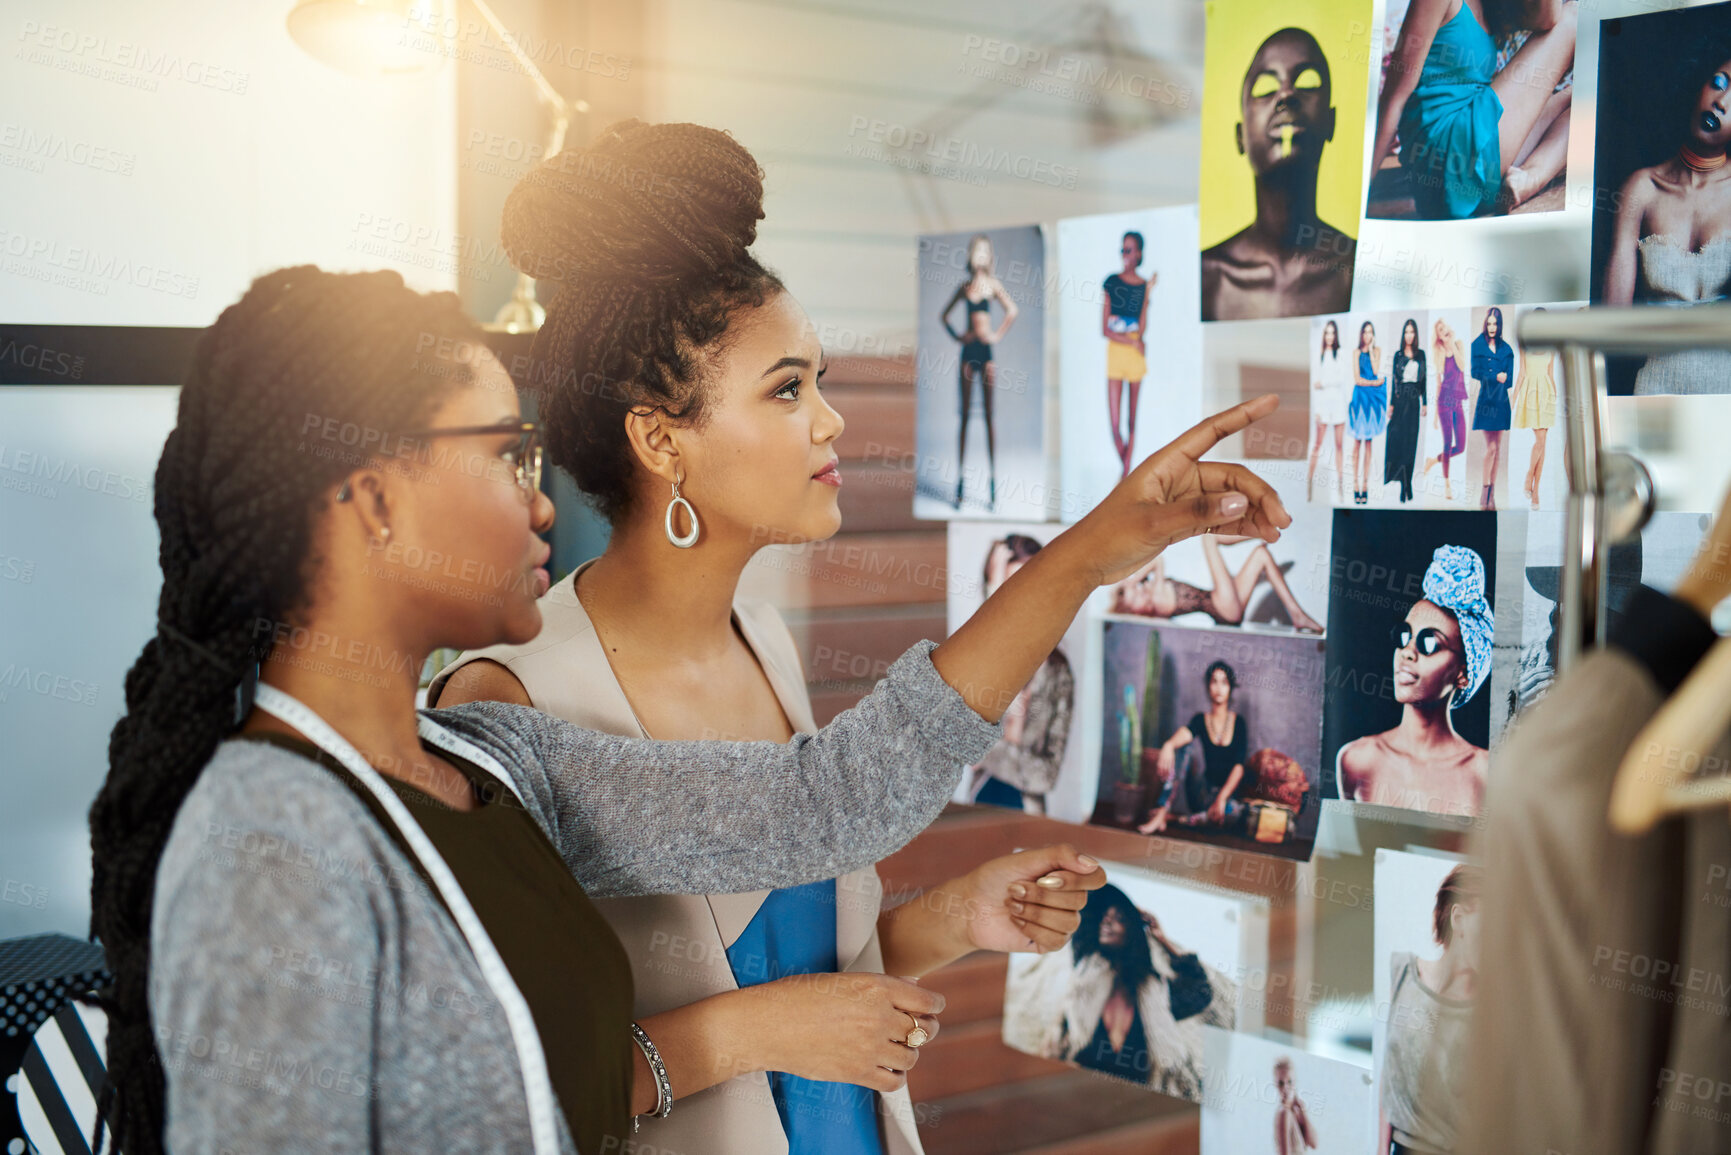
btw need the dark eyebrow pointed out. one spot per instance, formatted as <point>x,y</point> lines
<point>787,363</point>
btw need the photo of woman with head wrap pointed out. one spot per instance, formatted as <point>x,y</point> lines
<point>1123,322</point>
<point>1023,768</point>
<point>981,288</point>
<point>1664,125</point>
<point>1442,655</point>
<point>1429,1001</point>
<point>1122,997</point>
<point>1474,110</point>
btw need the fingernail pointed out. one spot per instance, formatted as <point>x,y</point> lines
<point>1085,860</point>
<point>1018,890</point>
<point>1234,505</point>
<point>1050,882</point>
<point>1016,906</point>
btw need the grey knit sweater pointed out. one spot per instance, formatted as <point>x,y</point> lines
<point>309,992</point>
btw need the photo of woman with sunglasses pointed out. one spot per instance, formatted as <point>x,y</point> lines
<point>1440,651</point>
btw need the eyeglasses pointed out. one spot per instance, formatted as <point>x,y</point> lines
<point>524,458</point>
<point>1428,640</point>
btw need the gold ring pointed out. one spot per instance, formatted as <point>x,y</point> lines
<point>917,1037</point>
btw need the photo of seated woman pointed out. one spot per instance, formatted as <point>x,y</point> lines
<point>1130,994</point>
<point>1472,116</point>
<point>1211,736</point>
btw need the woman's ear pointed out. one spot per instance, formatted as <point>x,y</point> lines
<point>654,442</point>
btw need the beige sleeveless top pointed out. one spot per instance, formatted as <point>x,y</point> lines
<point>678,944</point>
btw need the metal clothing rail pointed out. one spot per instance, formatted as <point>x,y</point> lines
<point>1610,494</point>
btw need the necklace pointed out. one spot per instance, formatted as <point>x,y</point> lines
<point>1226,737</point>
<point>1696,162</point>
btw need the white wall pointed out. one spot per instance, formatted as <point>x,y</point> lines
<point>156,157</point>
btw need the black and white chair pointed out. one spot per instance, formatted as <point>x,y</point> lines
<point>61,1080</point>
<point>51,1046</point>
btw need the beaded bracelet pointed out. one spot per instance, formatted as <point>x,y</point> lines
<point>663,1087</point>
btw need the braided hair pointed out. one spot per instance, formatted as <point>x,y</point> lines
<point>239,482</point>
<point>646,234</point>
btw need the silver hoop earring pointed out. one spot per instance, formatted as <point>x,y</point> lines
<point>690,539</point>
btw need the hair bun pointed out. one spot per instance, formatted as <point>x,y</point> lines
<point>644,203</point>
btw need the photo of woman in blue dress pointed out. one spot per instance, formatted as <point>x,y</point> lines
<point>1474,110</point>
<point>1367,413</point>
<point>1493,367</point>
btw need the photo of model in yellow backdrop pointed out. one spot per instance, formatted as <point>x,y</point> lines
<point>1281,167</point>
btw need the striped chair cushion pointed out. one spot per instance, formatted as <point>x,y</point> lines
<point>61,1078</point>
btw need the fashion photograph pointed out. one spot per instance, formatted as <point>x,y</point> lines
<point>1273,1098</point>
<point>1129,345</point>
<point>1426,977</point>
<point>1211,736</point>
<point>1282,150</point>
<point>1239,583</point>
<point>981,375</point>
<point>1411,623</point>
<point>1662,231</point>
<point>1151,970</point>
<point>1471,116</point>
<point>1037,767</point>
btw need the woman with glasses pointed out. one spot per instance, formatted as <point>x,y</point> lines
<point>336,922</point>
<point>1123,322</point>
<point>1442,655</point>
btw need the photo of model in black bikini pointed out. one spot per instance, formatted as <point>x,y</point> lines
<point>1240,583</point>
<point>980,428</point>
<point>1662,216</point>
<point>1211,736</point>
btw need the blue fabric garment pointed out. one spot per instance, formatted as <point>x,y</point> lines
<point>1492,409</point>
<point>1367,411</point>
<point>793,933</point>
<point>1450,140</point>
<point>996,793</point>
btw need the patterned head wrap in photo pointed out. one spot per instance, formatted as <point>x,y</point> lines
<point>1456,582</point>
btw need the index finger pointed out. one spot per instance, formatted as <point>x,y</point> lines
<point>1211,431</point>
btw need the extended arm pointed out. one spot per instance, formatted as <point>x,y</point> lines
<point>944,313</point>
<point>1619,284</point>
<point>1010,309</point>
